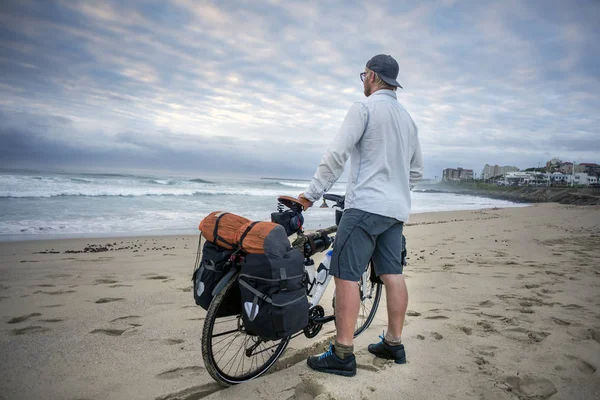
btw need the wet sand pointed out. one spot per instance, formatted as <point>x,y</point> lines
<point>504,304</point>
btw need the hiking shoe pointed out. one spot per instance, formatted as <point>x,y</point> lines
<point>329,363</point>
<point>384,350</point>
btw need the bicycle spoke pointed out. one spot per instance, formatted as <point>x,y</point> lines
<point>226,347</point>
<point>244,358</point>
<point>239,352</point>
<point>225,333</point>
<point>243,347</point>
<point>222,340</point>
<point>268,348</point>
<point>221,322</point>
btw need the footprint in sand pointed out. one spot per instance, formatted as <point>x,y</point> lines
<point>437,336</point>
<point>53,305</point>
<point>531,387</point>
<point>172,341</point>
<point>308,389</point>
<point>29,330</point>
<point>194,392</point>
<point>104,281</point>
<point>532,286</point>
<point>573,307</point>
<point>437,317</point>
<point>51,320</point>
<point>109,332</point>
<point>109,300</point>
<point>583,333</point>
<point>120,285</point>
<point>46,285</point>
<point>595,334</point>
<point>180,372</point>
<point>524,335</point>
<point>466,330</point>
<point>582,365</point>
<point>158,277</point>
<point>57,292</point>
<point>377,365</point>
<point>131,320</point>
<point>22,318</point>
<point>559,321</point>
<point>126,318</point>
<point>487,327</point>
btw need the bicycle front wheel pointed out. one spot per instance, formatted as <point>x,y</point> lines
<point>230,354</point>
<point>370,295</point>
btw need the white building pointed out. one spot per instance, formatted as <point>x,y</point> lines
<point>491,171</point>
<point>558,178</point>
<point>547,179</point>
<point>581,178</point>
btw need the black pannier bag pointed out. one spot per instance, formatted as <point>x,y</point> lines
<point>272,290</point>
<point>211,268</point>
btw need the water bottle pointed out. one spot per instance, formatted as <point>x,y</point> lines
<point>309,267</point>
<point>322,278</point>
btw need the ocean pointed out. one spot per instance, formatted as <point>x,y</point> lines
<point>37,205</point>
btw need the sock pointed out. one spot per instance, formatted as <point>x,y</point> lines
<point>392,341</point>
<point>342,351</point>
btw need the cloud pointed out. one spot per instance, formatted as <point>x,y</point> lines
<point>252,88</point>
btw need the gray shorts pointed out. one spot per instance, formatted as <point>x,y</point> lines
<point>363,236</point>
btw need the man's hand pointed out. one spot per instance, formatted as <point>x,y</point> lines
<point>306,203</point>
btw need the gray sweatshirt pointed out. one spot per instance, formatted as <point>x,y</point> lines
<point>382,142</point>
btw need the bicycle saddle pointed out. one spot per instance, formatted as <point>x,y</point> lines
<point>291,203</point>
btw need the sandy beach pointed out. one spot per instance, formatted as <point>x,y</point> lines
<point>504,304</point>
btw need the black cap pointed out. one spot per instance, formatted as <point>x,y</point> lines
<point>386,67</point>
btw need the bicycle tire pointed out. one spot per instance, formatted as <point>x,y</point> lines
<point>362,325</point>
<point>215,367</point>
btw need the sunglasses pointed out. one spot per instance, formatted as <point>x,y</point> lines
<point>362,76</point>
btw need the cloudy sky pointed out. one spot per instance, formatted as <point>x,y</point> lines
<point>261,87</point>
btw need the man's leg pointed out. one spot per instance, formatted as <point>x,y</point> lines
<point>351,253</point>
<point>347,306</point>
<point>397,302</point>
<point>388,265</point>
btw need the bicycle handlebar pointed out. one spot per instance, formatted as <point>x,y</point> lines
<point>339,200</point>
<point>315,242</point>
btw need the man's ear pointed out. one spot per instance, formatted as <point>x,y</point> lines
<point>372,76</point>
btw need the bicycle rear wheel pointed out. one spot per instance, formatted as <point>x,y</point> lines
<point>370,295</point>
<point>232,356</point>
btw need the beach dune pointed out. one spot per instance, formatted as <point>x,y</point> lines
<point>504,304</point>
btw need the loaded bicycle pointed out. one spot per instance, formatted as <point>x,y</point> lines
<point>232,352</point>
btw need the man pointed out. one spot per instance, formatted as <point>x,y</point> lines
<point>380,138</point>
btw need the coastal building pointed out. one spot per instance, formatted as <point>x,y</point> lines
<point>516,178</point>
<point>525,178</point>
<point>567,168</point>
<point>558,178</point>
<point>581,178</point>
<point>591,169</point>
<point>553,165</point>
<point>493,171</point>
<point>457,174</point>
